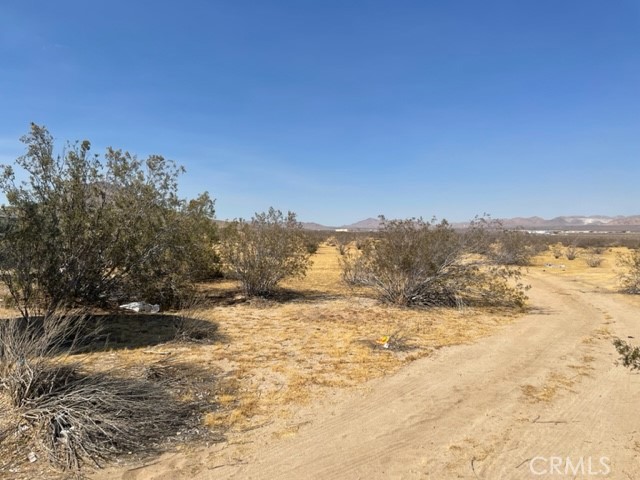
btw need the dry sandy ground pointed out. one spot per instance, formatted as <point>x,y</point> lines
<point>545,386</point>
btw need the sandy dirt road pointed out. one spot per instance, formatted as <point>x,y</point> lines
<point>545,386</point>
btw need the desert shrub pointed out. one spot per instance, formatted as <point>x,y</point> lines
<point>88,231</point>
<point>343,248</point>
<point>262,252</point>
<point>557,250</point>
<point>630,276</point>
<point>71,416</point>
<point>571,252</point>
<point>417,263</point>
<point>515,247</point>
<point>629,355</point>
<point>311,243</point>
<point>592,258</point>
<point>315,238</point>
<point>332,241</point>
<point>360,243</point>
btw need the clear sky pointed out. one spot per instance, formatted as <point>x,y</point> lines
<point>341,110</point>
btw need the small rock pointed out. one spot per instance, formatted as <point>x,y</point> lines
<point>32,457</point>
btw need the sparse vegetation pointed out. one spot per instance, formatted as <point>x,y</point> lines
<point>67,401</point>
<point>417,263</point>
<point>263,252</point>
<point>630,276</point>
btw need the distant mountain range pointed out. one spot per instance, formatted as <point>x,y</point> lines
<point>573,221</point>
<point>577,222</point>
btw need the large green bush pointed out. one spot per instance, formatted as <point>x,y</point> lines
<point>264,251</point>
<point>86,230</point>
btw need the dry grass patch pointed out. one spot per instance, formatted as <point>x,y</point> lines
<point>546,392</point>
<point>604,277</point>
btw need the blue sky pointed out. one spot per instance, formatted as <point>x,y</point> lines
<point>341,110</point>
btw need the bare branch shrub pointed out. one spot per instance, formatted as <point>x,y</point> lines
<point>264,251</point>
<point>571,252</point>
<point>630,277</point>
<point>417,263</point>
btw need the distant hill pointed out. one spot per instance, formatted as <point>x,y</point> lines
<point>572,221</point>
<point>631,220</point>
<point>367,224</point>
<point>567,222</point>
<point>315,226</point>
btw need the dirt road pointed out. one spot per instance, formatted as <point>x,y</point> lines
<point>516,405</point>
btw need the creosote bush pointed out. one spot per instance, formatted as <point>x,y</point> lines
<point>85,230</point>
<point>515,247</point>
<point>630,276</point>
<point>417,263</point>
<point>264,251</point>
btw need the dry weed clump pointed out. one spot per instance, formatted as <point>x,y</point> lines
<point>571,252</point>
<point>58,410</point>
<point>593,259</point>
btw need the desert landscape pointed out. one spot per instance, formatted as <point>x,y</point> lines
<point>324,381</point>
<point>506,389</point>
<point>319,240</point>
